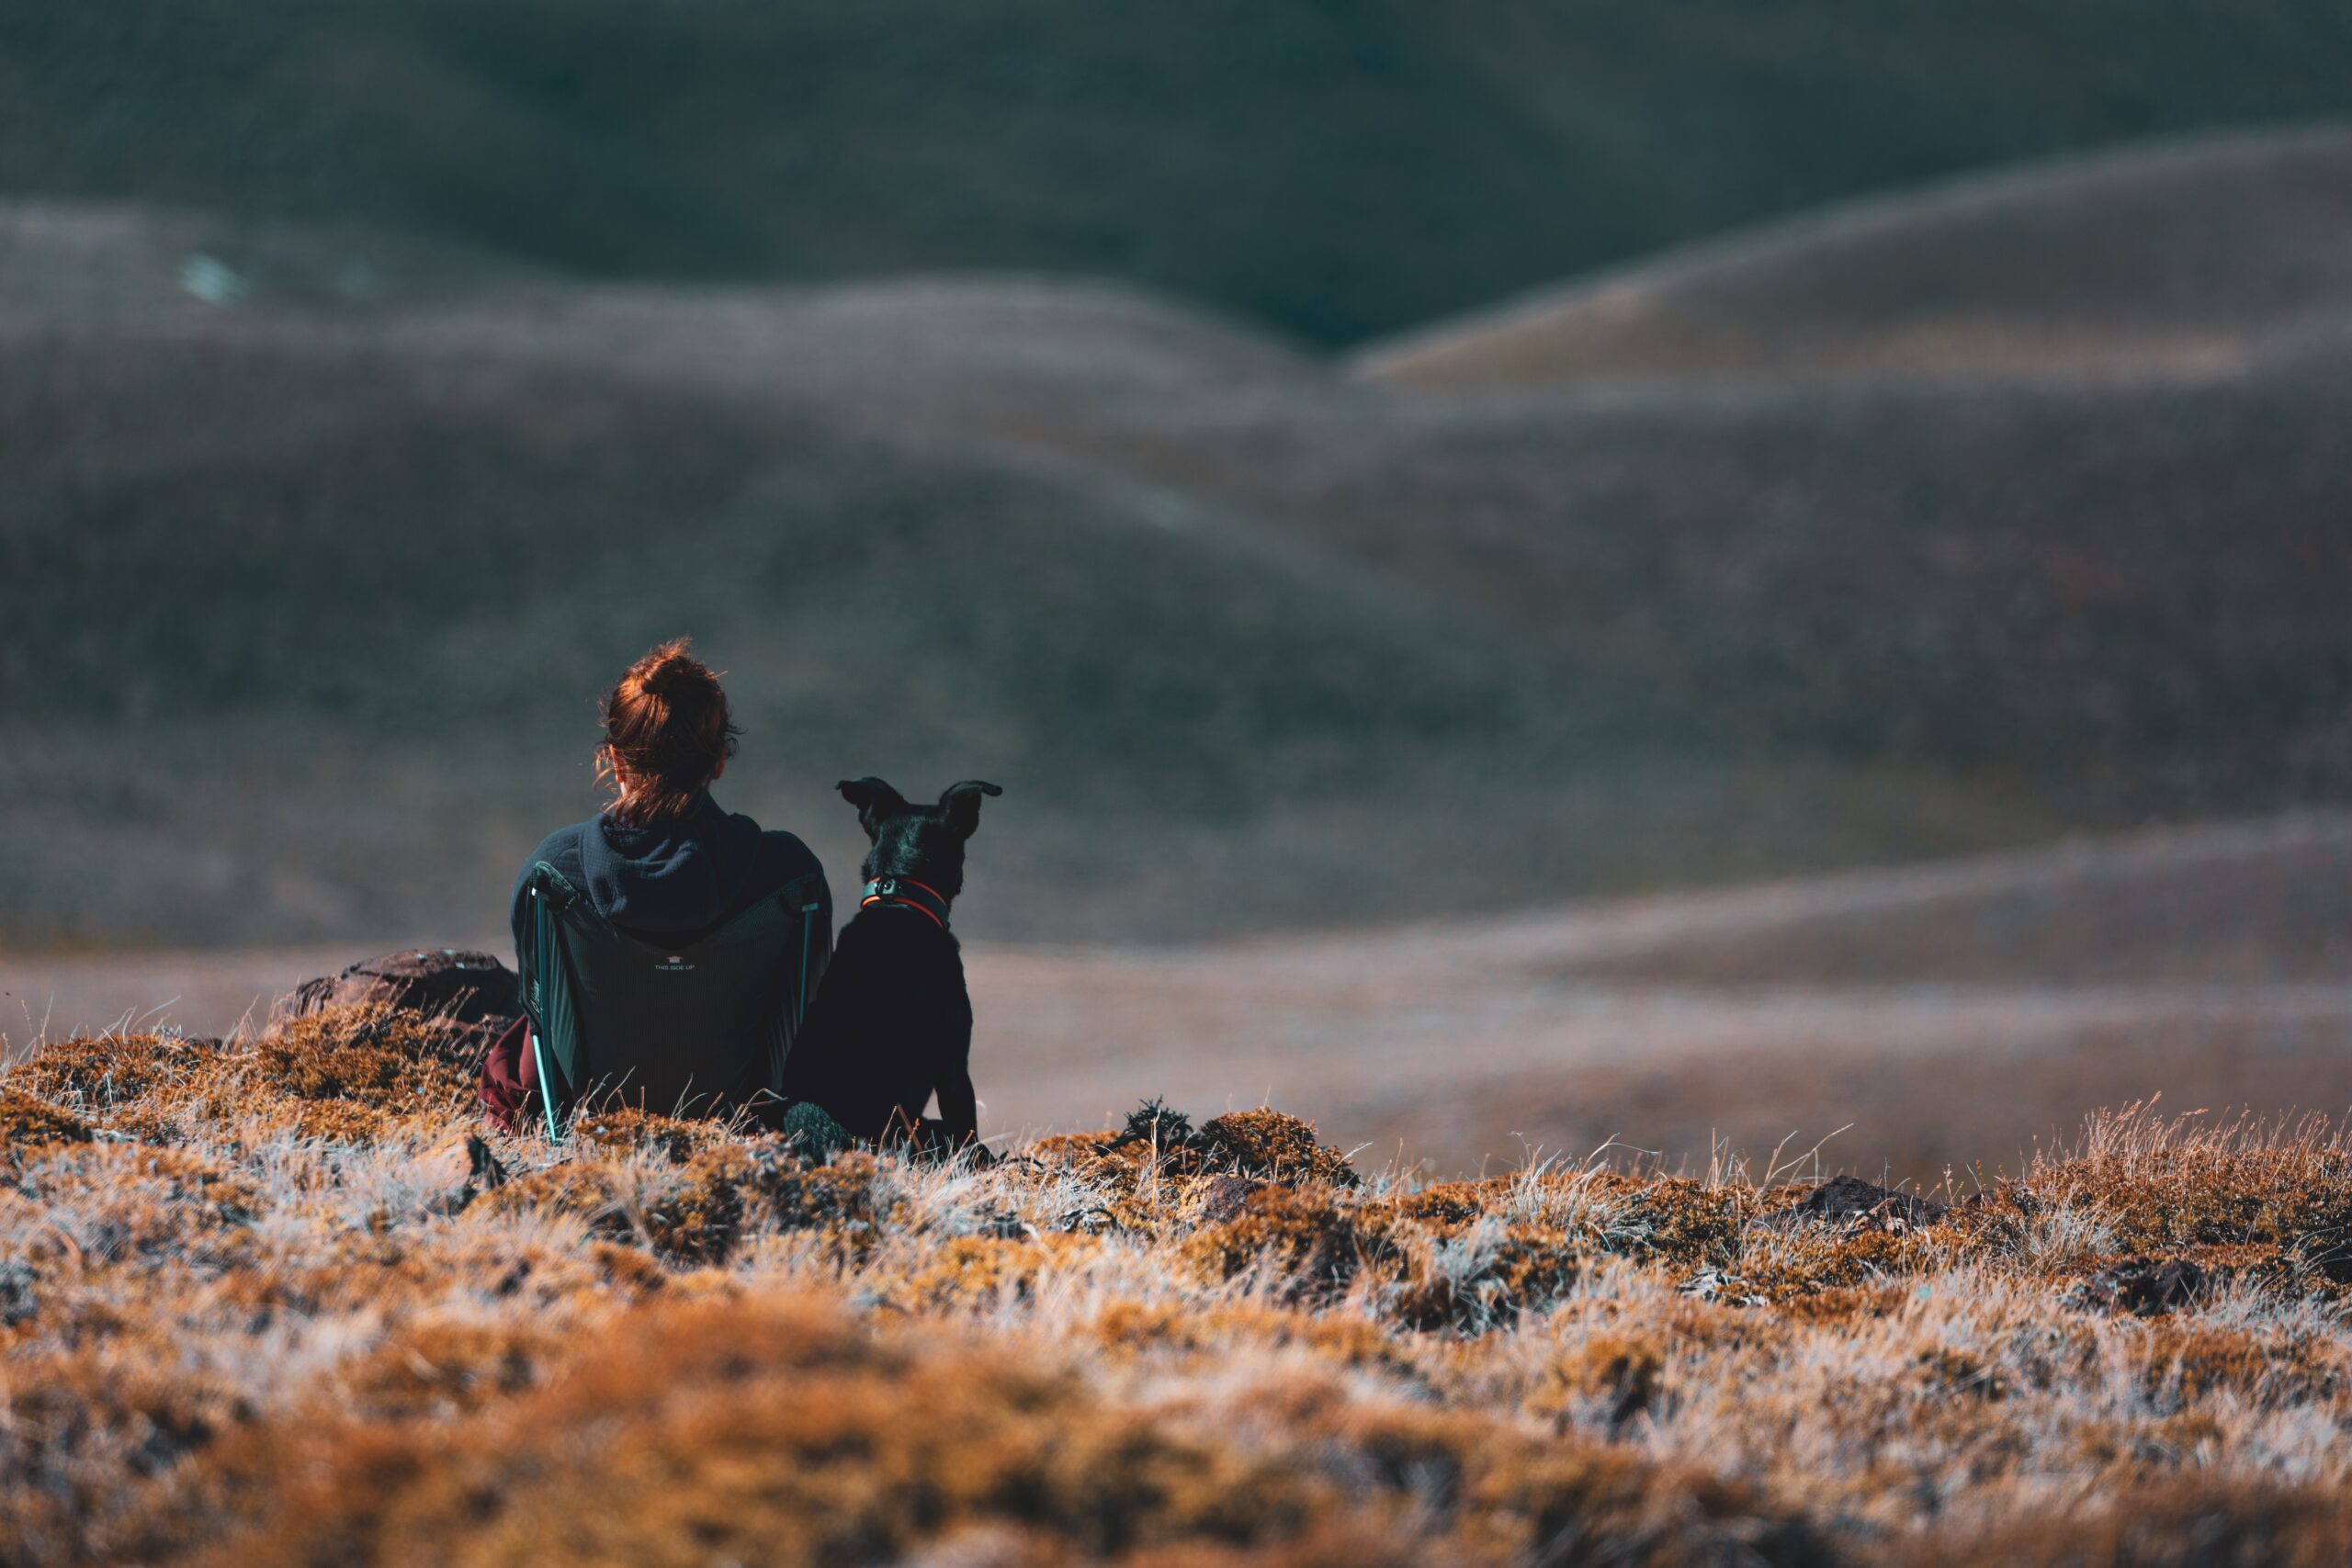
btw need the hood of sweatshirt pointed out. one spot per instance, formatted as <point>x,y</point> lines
<point>677,875</point>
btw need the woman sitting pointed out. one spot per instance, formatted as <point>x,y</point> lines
<point>666,949</point>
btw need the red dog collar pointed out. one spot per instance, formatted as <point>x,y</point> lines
<point>906,890</point>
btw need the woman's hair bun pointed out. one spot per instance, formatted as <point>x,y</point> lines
<point>670,669</point>
<point>667,730</point>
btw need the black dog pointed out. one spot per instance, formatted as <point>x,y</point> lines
<point>892,1022</point>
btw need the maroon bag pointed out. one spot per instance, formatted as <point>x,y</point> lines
<point>510,1078</point>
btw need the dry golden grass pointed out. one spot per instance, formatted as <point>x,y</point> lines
<point>260,1303</point>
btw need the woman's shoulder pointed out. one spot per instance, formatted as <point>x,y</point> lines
<point>786,858</point>
<point>561,849</point>
<point>776,857</point>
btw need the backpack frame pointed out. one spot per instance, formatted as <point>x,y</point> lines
<point>691,1026</point>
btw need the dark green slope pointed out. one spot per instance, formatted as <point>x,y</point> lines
<point>305,639</point>
<point>1335,170</point>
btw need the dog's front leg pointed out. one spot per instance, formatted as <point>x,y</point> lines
<point>959,1107</point>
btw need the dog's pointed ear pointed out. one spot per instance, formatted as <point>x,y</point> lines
<point>961,802</point>
<point>874,800</point>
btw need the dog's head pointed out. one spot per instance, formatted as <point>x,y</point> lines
<point>923,842</point>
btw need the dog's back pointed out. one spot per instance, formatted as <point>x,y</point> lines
<point>891,1025</point>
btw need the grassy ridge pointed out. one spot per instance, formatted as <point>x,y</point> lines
<point>2097,590</point>
<point>1335,170</point>
<point>263,1305</point>
<point>2179,257</point>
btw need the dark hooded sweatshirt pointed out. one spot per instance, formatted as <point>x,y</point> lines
<point>677,878</point>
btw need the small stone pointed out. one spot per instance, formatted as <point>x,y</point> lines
<point>1223,1197</point>
<point>2143,1286</point>
<point>1849,1200</point>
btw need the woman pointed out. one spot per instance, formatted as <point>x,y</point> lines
<point>662,868</point>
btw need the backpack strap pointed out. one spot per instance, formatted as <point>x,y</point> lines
<point>801,903</point>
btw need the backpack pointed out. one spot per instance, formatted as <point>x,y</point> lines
<point>697,1027</point>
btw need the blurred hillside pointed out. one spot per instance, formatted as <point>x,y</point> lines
<point>1331,170</point>
<point>2178,258</point>
<point>313,582</point>
<point>376,378</point>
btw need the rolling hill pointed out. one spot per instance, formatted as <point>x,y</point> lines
<point>2179,259</point>
<point>2127,593</point>
<point>1334,170</point>
<point>1257,641</point>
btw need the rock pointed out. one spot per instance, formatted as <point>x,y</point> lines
<point>1850,1200</point>
<point>467,987</point>
<point>2144,1287</point>
<point>1223,1197</point>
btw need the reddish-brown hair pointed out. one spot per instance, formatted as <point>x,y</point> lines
<point>666,732</point>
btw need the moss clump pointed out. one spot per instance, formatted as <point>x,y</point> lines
<point>1681,1223</point>
<point>1778,1268</point>
<point>728,1189</point>
<point>1454,1203</point>
<point>698,1222</point>
<point>88,1429</point>
<point>983,1271</point>
<point>374,1055</point>
<point>1941,1370</point>
<point>1307,1241</point>
<point>1614,1374</point>
<point>354,1075</point>
<point>2160,1186</point>
<point>442,1368</point>
<point>1270,1147</point>
<point>2194,1522</point>
<point>28,1126</point>
<point>2186,1363</point>
<point>1845,1306</point>
<point>866,1450</point>
<point>836,1199</point>
<point>627,1130</point>
<point>579,1190</point>
<point>102,1072</point>
<point>1480,1280</point>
